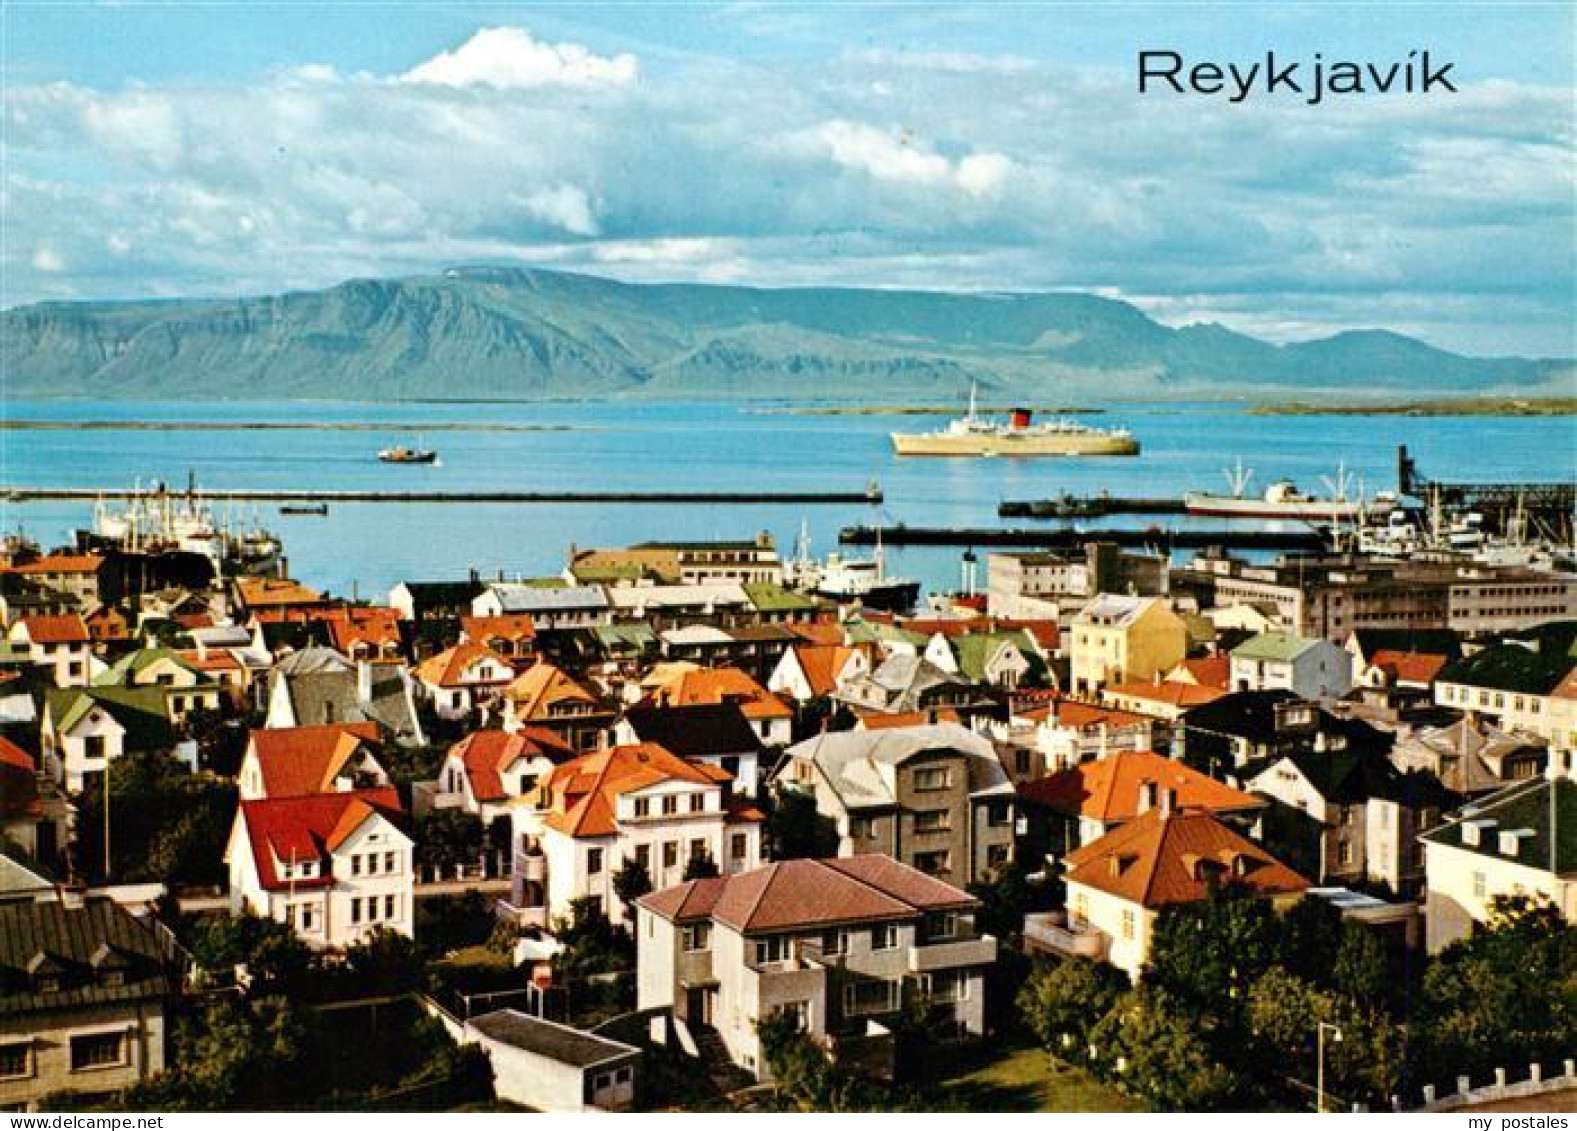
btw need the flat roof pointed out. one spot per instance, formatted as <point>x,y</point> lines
<point>550,1039</point>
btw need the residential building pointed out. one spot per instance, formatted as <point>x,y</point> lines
<point>816,671</point>
<point>905,683</point>
<point>1068,732</point>
<point>685,685</point>
<point>839,944</point>
<point>461,680</point>
<point>434,601</point>
<point>33,815</point>
<point>86,728</point>
<point>933,797</point>
<point>544,1066</point>
<point>549,606</point>
<point>544,696</point>
<point>297,761</point>
<point>638,803</point>
<point>512,636</point>
<point>83,994</point>
<point>1119,884</point>
<point>59,644</point>
<point>1520,687</point>
<point>488,769</point>
<point>1310,668</point>
<point>1471,757</point>
<point>81,576</point>
<point>333,866</point>
<point>1519,841</point>
<point>1167,700</point>
<point>717,734</point>
<point>320,687</point>
<point>1037,584</point>
<point>186,687</point>
<point>1118,639</point>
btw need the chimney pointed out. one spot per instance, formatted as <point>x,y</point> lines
<point>1147,795</point>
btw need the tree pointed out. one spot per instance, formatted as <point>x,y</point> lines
<point>275,959</point>
<point>1008,896</point>
<point>796,830</point>
<point>1165,1052</point>
<point>1284,1012</point>
<point>221,741</point>
<point>701,866</point>
<point>1208,954</point>
<point>630,882</point>
<point>166,823</point>
<point>1063,1001</point>
<point>591,943</point>
<point>446,838</point>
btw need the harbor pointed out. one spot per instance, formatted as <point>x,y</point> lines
<point>871,495</point>
<point>1294,540</point>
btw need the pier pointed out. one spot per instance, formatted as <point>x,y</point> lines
<point>1088,506</point>
<point>1306,541</point>
<point>872,496</point>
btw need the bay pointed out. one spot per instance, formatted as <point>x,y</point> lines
<point>367,548</point>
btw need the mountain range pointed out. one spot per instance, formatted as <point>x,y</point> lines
<point>523,334</point>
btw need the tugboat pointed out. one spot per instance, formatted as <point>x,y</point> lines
<point>401,454</point>
<point>975,435</point>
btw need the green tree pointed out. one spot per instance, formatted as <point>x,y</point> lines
<point>275,959</point>
<point>797,831</point>
<point>1008,896</point>
<point>1165,1051</point>
<point>1207,954</point>
<point>446,838</point>
<point>701,866</point>
<point>592,943</point>
<point>1063,1001</point>
<point>630,882</point>
<point>221,740</point>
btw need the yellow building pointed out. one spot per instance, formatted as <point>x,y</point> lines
<point>1118,639</point>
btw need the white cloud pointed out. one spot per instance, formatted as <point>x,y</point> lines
<point>901,156</point>
<point>48,260</point>
<point>564,206</point>
<point>508,57</point>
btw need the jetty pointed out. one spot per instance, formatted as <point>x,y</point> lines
<point>1089,506</point>
<point>1309,541</point>
<point>870,495</point>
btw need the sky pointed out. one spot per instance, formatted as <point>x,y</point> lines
<point>203,149</point>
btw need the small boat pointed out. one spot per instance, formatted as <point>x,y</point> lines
<point>401,454</point>
<point>304,508</point>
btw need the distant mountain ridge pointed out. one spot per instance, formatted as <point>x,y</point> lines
<point>532,334</point>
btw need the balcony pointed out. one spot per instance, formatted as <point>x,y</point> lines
<point>948,955</point>
<point>1050,932</point>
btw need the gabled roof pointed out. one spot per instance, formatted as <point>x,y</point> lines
<point>63,563</point>
<point>582,794</point>
<point>1508,667</point>
<point>1111,789</point>
<point>693,686</point>
<point>487,754</point>
<point>541,686</point>
<point>448,668</point>
<point>1214,670</point>
<point>1274,647</point>
<point>259,592</point>
<point>133,664</point>
<point>821,665</point>
<point>1172,693</point>
<point>1115,610</point>
<point>1160,859</point>
<point>1542,826</point>
<point>518,597</point>
<point>70,629</point>
<point>513,627</point>
<point>296,761</point>
<point>697,731</point>
<point>770,597</point>
<point>140,711</point>
<point>1433,641</point>
<point>851,761</point>
<point>1409,667</point>
<point>803,894</point>
<point>825,633</point>
<point>309,828</point>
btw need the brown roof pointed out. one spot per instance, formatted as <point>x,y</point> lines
<point>63,563</point>
<point>1205,671</point>
<point>694,686</point>
<point>796,894</point>
<point>486,754</point>
<point>296,761</point>
<point>1080,715</point>
<point>70,629</point>
<point>1171,692</point>
<point>1160,859</point>
<point>1109,789</point>
<point>539,687</point>
<point>582,793</point>
<point>259,592</point>
<point>1414,667</point>
<point>821,664</point>
<point>876,720</point>
<point>824,632</point>
<point>513,627</point>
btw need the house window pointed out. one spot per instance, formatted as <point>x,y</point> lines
<point>372,863</point>
<point>643,806</point>
<point>884,937</point>
<point>931,821</point>
<point>670,854</point>
<point>93,746</point>
<point>593,861</point>
<point>1344,852</point>
<point>774,948</point>
<point>932,778</point>
<point>355,865</point>
<point>388,862</point>
<point>16,1061</point>
<point>738,846</point>
<point>698,937</point>
<point>934,863</point>
<point>999,813</point>
<point>996,855</point>
<point>834,943</point>
<point>940,925</point>
<point>355,910</point>
<point>697,802</point>
<point>670,804</point>
<point>304,914</point>
<point>798,1010</point>
<point>869,997</point>
<point>388,907</point>
<point>97,1050</point>
<point>861,828</point>
<point>697,849</point>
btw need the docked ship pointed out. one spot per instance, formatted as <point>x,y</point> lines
<point>158,521</point>
<point>850,580</point>
<point>976,435</point>
<point>1283,500</point>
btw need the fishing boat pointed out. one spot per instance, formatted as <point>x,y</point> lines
<point>402,454</point>
<point>1283,500</point>
<point>976,435</point>
<point>851,580</point>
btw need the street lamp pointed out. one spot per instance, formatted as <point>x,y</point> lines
<point>1319,1085</point>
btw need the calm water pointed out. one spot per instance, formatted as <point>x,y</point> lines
<point>697,447</point>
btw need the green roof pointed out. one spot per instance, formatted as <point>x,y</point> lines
<point>140,710</point>
<point>595,573</point>
<point>1524,810</point>
<point>861,631</point>
<point>1274,646</point>
<point>770,597</point>
<point>120,673</point>
<point>975,649</point>
<point>637,635</point>
<point>1509,667</point>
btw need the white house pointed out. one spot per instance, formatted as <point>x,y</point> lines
<point>487,770</point>
<point>462,679</point>
<point>549,606</point>
<point>1311,668</point>
<point>295,761</point>
<point>812,671</point>
<point>334,866</point>
<point>60,644</point>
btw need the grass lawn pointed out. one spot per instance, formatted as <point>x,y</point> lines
<point>1028,1079</point>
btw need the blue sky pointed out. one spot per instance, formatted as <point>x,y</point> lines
<point>198,149</point>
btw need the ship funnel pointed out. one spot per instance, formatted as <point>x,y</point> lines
<point>1020,419</point>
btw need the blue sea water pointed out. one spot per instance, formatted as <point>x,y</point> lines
<point>686,446</point>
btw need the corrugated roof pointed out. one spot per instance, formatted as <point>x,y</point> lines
<point>79,945</point>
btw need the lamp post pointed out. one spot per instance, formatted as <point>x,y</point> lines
<point>1319,1084</point>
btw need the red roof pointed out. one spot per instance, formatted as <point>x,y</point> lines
<point>1080,715</point>
<point>1207,671</point>
<point>486,754</point>
<point>70,629</point>
<point>18,782</point>
<point>1171,692</point>
<point>1110,789</point>
<point>448,667</point>
<point>309,828</point>
<point>818,632</point>
<point>694,686</point>
<point>1412,667</point>
<point>876,720</point>
<point>63,563</point>
<point>1161,859</point>
<point>513,627</point>
<point>296,761</point>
